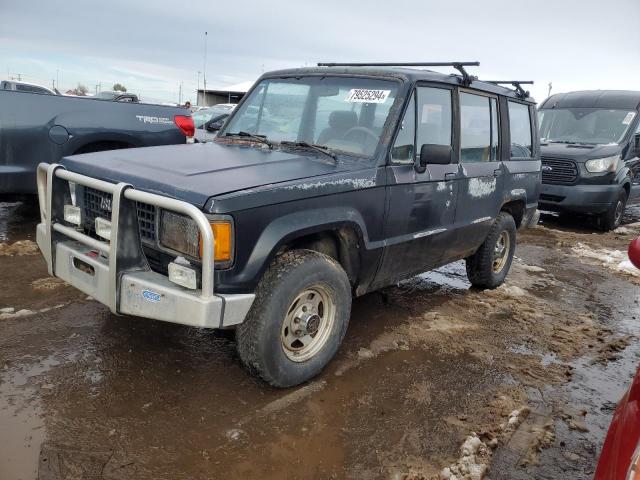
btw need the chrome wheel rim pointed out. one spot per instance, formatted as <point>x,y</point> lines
<point>501,252</point>
<point>619,212</point>
<point>308,323</point>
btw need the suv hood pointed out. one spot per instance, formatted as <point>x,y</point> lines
<point>578,152</point>
<point>194,173</point>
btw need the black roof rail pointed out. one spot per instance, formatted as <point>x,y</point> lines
<point>466,78</point>
<point>517,84</point>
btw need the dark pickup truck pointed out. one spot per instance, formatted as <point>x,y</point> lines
<point>38,128</point>
<point>324,183</point>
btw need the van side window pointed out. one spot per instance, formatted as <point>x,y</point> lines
<point>434,116</point>
<point>403,150</point>
<point>478,128</point>
<point>520,127</point>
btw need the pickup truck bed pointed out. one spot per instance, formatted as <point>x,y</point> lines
<point>38,128</point>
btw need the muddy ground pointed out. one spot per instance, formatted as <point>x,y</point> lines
<point>434,379</point>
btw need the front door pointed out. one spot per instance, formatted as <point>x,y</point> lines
<point>422,206</point>
<point>481,171</point>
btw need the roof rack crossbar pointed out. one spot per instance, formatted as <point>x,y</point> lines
<point>466,78</point>
<point>517,84</point>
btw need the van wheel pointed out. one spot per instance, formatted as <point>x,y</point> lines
<point>612,218</point>
<point>298,318</point>
<point>488,267</point>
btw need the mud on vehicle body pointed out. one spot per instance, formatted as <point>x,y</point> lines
<point>324,183</point>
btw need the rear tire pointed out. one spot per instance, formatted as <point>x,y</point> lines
<point>489,266</point>
<point>612,218</point>
<point>298,319</point>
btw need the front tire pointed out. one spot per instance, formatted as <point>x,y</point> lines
<point>298,319</point>
<point>489,266</point>
<point>612,218</point>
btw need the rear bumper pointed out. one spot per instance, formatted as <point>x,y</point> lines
<point>590,199</point>
<point>116,273</point>
<point>15,179</point>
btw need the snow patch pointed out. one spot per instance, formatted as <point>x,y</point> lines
<point>533,268</point>
<point>481,220</point>
<point>615,260</point>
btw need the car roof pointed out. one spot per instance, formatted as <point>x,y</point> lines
<point>613,99</point>
<point>16,82</point>
<point>407,74</point>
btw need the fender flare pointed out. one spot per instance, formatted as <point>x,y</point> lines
<point>295,225</point>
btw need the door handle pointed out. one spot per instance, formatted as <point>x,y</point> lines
<point>449,176</point>
<point>497,172</point>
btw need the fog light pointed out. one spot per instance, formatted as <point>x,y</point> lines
<point>182,275</point>
<point>72,214</point>
<point>103,228</point>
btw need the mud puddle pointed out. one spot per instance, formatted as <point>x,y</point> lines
<point>18,219</point>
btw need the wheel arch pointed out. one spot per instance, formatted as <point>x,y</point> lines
<point>337,232</point>
<point>516,208</point>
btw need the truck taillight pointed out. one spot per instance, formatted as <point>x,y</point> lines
<point>185,124</point>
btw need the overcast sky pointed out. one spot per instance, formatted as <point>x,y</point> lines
<point>151,46</point>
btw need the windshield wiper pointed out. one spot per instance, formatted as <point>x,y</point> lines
<point>571,142</point>
<point>312,146</point>
<point>257,138</point>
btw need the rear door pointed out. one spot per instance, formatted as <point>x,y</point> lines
<point>422,206</point>
<point>481,171</point>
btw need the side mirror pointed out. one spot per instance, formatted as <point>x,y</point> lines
<point>434,155</point>
<point>213,126</point>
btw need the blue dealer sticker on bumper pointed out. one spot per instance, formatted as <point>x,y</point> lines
<point>151,296</point>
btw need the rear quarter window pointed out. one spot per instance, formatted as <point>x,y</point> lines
<point>521,130</point>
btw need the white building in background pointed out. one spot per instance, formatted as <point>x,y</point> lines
<point>230,94</point>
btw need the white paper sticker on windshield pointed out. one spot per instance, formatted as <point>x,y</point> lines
<point>362,95</point>
<point>629,118</point>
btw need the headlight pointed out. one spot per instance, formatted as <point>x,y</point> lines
<point>599,165</point>
<point>181,234</point>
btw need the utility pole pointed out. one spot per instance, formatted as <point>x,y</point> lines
<point>198,89</point>
<point>180,94</point>
<point>58,78</point>
<point>204,72</point>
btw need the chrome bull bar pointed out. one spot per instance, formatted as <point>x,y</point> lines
<point>125,260</point>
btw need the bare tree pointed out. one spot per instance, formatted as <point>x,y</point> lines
<point>118,87</point>
<point>81,90</point>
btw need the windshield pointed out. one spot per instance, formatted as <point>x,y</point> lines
<point>584,125</point>
<point>203,116</point>
<point>341,113</point>
<point>106,95</point>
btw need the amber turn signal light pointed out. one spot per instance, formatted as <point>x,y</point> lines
<point>223,241</point>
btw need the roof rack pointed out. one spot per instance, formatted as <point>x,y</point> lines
<point>466,78</point>
<point>517,84</point>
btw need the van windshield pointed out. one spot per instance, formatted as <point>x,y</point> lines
<point>584,125</point>
<point>344,114</point>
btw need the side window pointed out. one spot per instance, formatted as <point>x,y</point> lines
<point>403,150</point>
<point>520,127</point>
<point>478,128</point>
<point>434,116</point>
